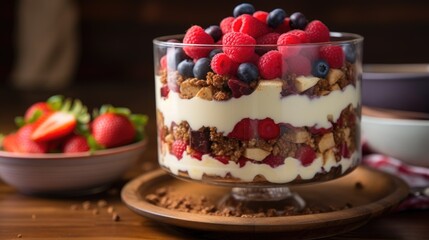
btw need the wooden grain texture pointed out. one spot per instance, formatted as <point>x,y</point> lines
<point>54,218</point>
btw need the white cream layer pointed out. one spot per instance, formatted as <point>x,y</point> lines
<point>290,170</point>
<point>265,101</point>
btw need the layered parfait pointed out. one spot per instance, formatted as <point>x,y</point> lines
<point>262,98</point>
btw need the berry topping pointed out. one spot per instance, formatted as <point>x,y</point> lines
<point>185,68</point>
<point>268,129</point>
<point>317,32</point>
<point>244,8</point>
<point>177,148</point>
<point>246,129</point>
<point>298,21</point>
<point>174,57</point>
<point>197,35</point>
<point>270,65</point>
<point>214,52</point>
<point>299,65</point>
<point>320,68</point>
<point>234,46</point>
<point>247,72</point>
<point>163,62</point>
<point>215,32</point>
<point>303,37</point>
<point>222,159</point>
<point>261,16</point>
<point>239,88</point>
<point>306,155</point>
<point>249,25</point>
<point>201,68</point>
<point>226,25</point>
<point>273,161</point>
<point>284,27</point>
<point>334,55</point>
<point>284,42</point>
<point>269,38</point>
<point>276,17</point>
<point>221,64</point>
<point>350,53</point>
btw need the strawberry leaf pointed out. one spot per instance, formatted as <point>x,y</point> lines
<point>19,121</point>
<point>139,121</point>
<point>93,145</point>
<point>1,140</point>
<point>55,102</point>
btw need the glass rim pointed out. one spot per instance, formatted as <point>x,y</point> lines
<point>351,38</point>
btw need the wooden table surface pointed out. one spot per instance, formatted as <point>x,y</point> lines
<point>35,217</point>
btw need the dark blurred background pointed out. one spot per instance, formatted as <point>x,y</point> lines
<point>116,36</point>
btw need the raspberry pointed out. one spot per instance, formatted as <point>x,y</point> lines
<point>317,32</point>
<point>284,45</point>
<point>197,35</point>
<point>284,27</point>
<point>268,129</point>
<point>177,148</point>
<point>306,155</point>
<point>270,65</point>
<point>254,59</point>
<point>261,16</point>
<point>299,65</point>
<point>225,24</point>
<point>273,161</point>
<point>233,46</point>
<point>303,37</point>
<point>245,130</point>
<point>269,38</point>
<point>249,25</point>
<point>334,55</point>
<point>221,64</point>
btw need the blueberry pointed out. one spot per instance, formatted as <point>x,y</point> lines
<point>244,8</point>
<point>247,72</point>
<point>174,57</point>
<point>276,17</point>
<point>320,68</point>
<point>298,21</point>
<point>214,52</point>
<point>185,68</point>
<point>214,31</point>
<point>201,68</point>
<point>350,52</point>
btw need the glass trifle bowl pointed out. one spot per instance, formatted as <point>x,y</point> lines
<point>258,117</point>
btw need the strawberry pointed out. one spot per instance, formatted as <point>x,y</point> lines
<point>75,143</point>
<point>10,144</point>
<point>177,148</point>
<point>37,110</point>
<point>26,143</point>
<point>60,123</point>
<point>246,129</point>
<point>113,127</point>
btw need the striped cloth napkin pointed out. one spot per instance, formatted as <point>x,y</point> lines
<point>416,177</point>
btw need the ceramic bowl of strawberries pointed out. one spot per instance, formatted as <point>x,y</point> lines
<point>61,149</point>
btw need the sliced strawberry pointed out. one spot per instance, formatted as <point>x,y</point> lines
<point>75,143</point>
<point>246,129</point>
<point>306,155</point>
<point>10,144</point>
<point>54,125</point>
<point>177,148</point>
